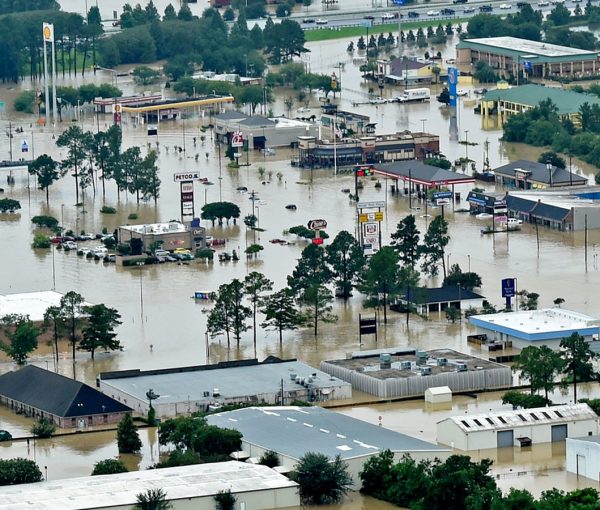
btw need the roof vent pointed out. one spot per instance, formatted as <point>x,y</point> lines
<point>216,392</point>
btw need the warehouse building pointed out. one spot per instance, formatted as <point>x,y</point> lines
<point>185,390</point>
<point>547,326</point>
<point>262,132</point>
<point>406,372</point>
<point>509,55</point>
<point>510,101</point>
<point>68,403</point>
<point>583,456</point>
<point>522,427</point>
<point>292,432</point>
<point>187,488</point>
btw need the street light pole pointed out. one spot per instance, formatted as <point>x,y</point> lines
<point>467,145</point>
<point>139,265</point>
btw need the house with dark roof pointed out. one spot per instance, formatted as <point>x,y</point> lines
<point>405,70</point>
<point>439,299</point>
<point>523,174</point>
<point>68,403</point>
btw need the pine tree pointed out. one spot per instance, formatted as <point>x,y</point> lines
<point>128,438</point>
<point>280,312</point>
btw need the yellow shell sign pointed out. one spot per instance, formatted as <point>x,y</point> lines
<point>48,32</point>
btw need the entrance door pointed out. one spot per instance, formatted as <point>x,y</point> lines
<point>581,465</point>
<point>559,433</point>
<point>505,438</point>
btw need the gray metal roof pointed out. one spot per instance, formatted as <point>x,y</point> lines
<point>233,379</point>
<point>420,172</point>
<point>539,173</point>
<point>295,431</point>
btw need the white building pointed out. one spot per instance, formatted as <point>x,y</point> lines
<point>169,235</point>
<point>184,390</point>
<point>536,327</point>
<point>187,488</point>
<point>292,432</point>
<point>520,427</point>
<point>583,456</point>
<point>33,304</point>
<point>438,395</point>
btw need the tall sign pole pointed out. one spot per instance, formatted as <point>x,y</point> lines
<point>46,33</point>
<point>54,100</point>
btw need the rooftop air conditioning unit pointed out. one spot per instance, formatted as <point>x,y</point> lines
<point>385,361</point>
<point>292,376</point>
<point>425,370</point>
<point>461,367</point>
<point>441,362</point>
<point>405,365</point>
<point>421,356</point>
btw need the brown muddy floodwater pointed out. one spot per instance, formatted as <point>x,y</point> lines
<point>170,332</point>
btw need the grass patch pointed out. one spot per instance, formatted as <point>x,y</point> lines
<point>325,34</point>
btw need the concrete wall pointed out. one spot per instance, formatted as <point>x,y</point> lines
<point>583,458</point>
<point>415,386</point>
<point>449,433</point>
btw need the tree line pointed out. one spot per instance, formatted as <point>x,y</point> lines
<point>458,483</point>
<point>96,322</point>
<point>307,298</point>
<point>542,126</point>
<point>91,153</point>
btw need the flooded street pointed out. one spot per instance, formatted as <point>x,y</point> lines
<point>171,331</point>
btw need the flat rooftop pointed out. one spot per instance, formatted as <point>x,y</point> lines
<point>370,364</point>
<point>91,492</point>
<point>315,429</point>
<point>156,228</point>
<point>233,380</point>
<point>527,47</point>
<point>524,417</point>
<point>547,323</point>
<point>33,304</point>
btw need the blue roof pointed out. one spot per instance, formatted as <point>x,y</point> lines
<point>295,431</point>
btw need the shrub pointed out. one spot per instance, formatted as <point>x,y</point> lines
<point>270,459</point>
<point>205,253</point>
<point>132,216</point>
<point>24,101</point>
<point>523,400</point>
<point>123,249</point>
<point>109,467</point>
<point>41,241</point>
<point>108,210</point>
<point>225,500</point>
<point>17,471</point>
<point>43,428</point>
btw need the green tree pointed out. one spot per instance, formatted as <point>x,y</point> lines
<point>346,259</point>
<point>540,366</point>
<point>77,143</point>
<point>41,241</point>
<point>9,205</point>
<point>128,438</point>
<point>22,336</point>
<point>322,480</point>
<point>464,280</point>
<point>405,240</point>
<point>229,314</point>
<point>53,317</point>
<point>100,330</point>
<point>18,471</point>
<point>524,401</point>
<point>280,312</point>
<point>144,75</point>
<point>170,13</point>
<point>270,459</point>
<point>382,276</point>
<point>71,305</point>
<point>559,15</point>
<point>153,499</point>
<point>553,158</point>
<point>220,211</point>
<point>43,221</point>
<point>434,244</point>
<point>577,357</point>
<point>109,467</point>
<point>255,284</point>
<point>46,171</point>
<point>225,500</point>
<point>307,282</point>
<point>485,73</point>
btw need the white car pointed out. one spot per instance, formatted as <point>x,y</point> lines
<point>321,21</point>
<point>462,92</point>
<point>433,13</point>
<point>505,6</point>
<point>304,109</point>
<point>70,245</point>
<point>543,3</point>
<point>377,100</point>
<point>388,15</point>
<point>469,10</point>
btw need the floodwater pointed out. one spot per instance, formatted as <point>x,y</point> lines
<point>171,330</point>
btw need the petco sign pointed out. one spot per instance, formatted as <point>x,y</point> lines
<point>186,176</point>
